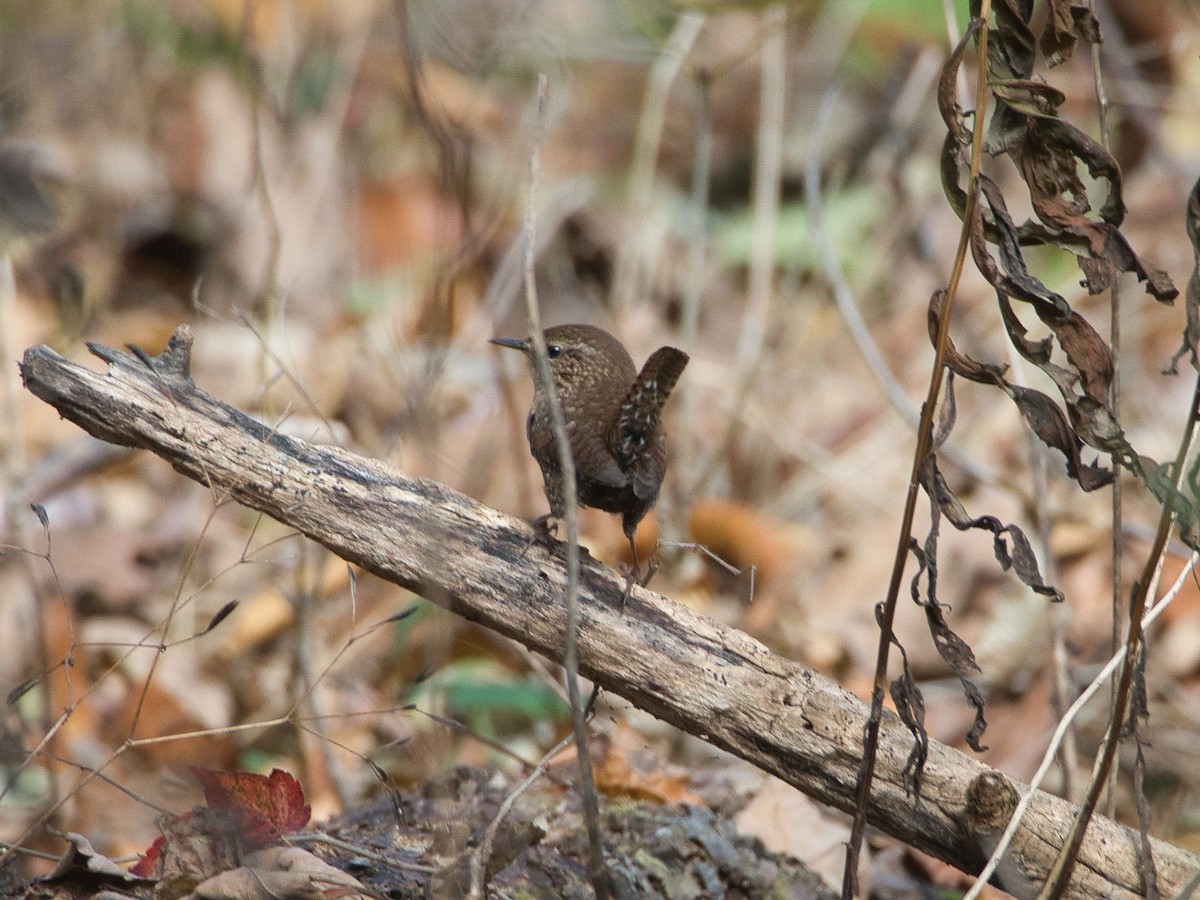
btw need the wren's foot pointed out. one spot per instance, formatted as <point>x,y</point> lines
<point>545,531</point>
<point>630,580</point>
<point>545,528</point>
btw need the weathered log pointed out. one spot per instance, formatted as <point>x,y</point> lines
<point>707,679</point>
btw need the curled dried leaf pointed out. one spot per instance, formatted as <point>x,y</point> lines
<point>975,698</point>
<point>1050,424</point>
<point>1097,427</point>
<point>1021,558</point>
<point>959,363</point>
<point>1011,44</point>
<point>947,91</point>
<point>1012,276</point>
<point>1068,20</point>
<point>1087,352</point>
<point>1191,331</point>
<point>954,651</point>
<point>1037,352</point>
<point>910,706</point>
<point>952,648</point>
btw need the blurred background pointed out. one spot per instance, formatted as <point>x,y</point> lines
<point>332,195</point>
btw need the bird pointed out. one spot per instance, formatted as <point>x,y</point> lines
<point>613,417</point>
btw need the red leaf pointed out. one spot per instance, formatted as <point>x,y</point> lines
<point>147,865</point>
<point>264,807</point>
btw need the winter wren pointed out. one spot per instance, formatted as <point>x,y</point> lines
<point>613,419</point>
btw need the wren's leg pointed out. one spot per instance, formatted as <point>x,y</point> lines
<point>545,528</point>
<point>631,575</point>
<point>543,533</point>
<point>552,482</point>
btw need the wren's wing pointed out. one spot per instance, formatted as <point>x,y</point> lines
<point>635,431</point>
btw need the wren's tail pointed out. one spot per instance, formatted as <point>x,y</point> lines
<point>637,420</point>
<point>656,380</point>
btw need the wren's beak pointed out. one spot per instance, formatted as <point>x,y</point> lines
<point>514,343</point>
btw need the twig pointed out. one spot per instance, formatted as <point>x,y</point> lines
<point>597,869</point>
<point>697,547</point>
<point>1061,731</point>
<point>767,176</point>
<point>1119,624</point>
<point>483,853</point>
<point>628,277</point>
<point>887,613</point>
<point>1061,873</point>
<point>843,295</point>
<point>1133,95</point>
<point>386,859</point>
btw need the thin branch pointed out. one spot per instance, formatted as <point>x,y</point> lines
<point>597,870</point>
<point>887,612</point>
<point>1119,624</point>
<point>629,277</point>
<point>483,853</point>
<point>1063,729</point>
<point>843,295</point>
<point>1065,863</point>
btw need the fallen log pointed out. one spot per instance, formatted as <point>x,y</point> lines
<point>710,680</point>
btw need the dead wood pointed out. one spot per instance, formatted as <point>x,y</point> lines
<point>709,680</point>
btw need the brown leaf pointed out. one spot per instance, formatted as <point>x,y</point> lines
<point>947,92</point>
<point>956,653</point>
<point>1048,158</point>
<point>1037,352</point>
<point>975,698</point>
<point>1011,43</point>
<point>910,706</point>
<point>1024,562</point>
<point>960,364</point>
<point>1097,427</point>
<point>1021,560</point>
<point>1058,35</point>
<point>1088,353</point>
<point>1050,424</point>
<point>191,848</point>
<point>82,864</point>
<point>1067,22</point>
<point>282,872</point>
<point>1012,277</point>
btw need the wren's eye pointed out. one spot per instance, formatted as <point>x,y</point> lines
<point>553,350</point>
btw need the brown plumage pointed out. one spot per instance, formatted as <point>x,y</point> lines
<point>613,419</point>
